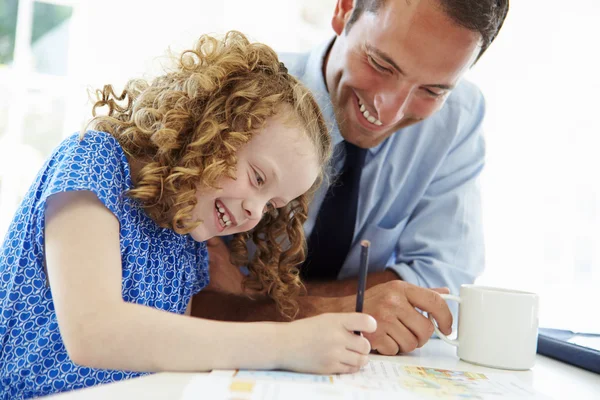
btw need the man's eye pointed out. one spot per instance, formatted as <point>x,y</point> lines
<point>432,93</point>
<point>378,66</point>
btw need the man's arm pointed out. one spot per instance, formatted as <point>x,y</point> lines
<point>322,297</point>
<point>218,305</point>
<point>348,287</point>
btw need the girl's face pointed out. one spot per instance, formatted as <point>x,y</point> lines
<point>276,166</point>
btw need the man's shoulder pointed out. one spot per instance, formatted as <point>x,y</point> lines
<point>462,112</point>
<point>295,62</point>
<point>466,96</point>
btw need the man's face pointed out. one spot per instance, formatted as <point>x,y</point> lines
<point>394,68</point>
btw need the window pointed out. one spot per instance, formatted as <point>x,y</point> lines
<point>34,49</point>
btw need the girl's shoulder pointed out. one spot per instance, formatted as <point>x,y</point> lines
<point>93,155</point>
<point>91,146</point>
<point>92,161</point>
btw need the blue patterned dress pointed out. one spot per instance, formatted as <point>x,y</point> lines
<point>161,269</point>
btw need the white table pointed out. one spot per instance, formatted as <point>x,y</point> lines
<point>550,377</point>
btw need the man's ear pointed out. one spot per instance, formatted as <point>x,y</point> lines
<point>341,15</point>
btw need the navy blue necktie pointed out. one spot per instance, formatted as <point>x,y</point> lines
<point>331,237</point>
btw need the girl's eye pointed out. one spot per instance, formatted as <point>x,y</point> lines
<point>269,207</point>
<point>259,179</point>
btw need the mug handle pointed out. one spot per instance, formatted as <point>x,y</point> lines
<point>453,342</point>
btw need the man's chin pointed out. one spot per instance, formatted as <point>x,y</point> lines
<point>367,139</point>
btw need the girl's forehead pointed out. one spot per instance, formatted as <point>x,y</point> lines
<point>283,134</point>
<point>286,155</point>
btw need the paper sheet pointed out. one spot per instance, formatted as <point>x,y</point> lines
<point>228,388</point>
<point>377,380</point>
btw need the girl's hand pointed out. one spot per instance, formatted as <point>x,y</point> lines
<point>326,344</point>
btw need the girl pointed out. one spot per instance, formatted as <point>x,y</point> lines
<point>107,247</point>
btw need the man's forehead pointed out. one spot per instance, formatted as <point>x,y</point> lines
<point>399,16</point>
<point>424,31</point>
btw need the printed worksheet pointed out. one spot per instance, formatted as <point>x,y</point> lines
<point>384,379</point>
<point>233,388</point>
<point>438,383</point>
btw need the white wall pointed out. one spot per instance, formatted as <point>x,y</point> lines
<point>541,185</point>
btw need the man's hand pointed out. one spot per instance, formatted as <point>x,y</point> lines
<point>224,276</point>
<point>400,327</point>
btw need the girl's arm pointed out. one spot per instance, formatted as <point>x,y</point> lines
<point>101,330</point>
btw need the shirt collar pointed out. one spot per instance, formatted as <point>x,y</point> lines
<point>315,81</point>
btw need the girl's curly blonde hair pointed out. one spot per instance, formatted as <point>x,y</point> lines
<point>185,128</point>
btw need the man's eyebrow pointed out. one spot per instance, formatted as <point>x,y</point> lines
<point>385,57</point>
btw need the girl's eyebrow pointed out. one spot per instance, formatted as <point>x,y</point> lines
<point>270,166</point>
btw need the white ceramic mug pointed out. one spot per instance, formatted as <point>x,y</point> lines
<point>496,327</point>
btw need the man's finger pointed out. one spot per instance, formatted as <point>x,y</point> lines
<point>407,341</point>
<point>431,302</point>
<point>385,345</point>
<point>419,326</point>
<point>441,290</point>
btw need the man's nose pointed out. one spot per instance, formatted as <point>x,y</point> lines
<point>391,104</point>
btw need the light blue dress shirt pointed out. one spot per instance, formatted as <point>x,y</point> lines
<point>419,201</point>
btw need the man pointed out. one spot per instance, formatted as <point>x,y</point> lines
<point>390,83</point>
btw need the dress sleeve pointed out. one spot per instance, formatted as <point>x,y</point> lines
<point>200,277</point>
<point>95,163</point>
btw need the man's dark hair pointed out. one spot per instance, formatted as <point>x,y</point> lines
<point>483,16</point>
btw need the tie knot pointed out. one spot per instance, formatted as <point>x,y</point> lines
<point>355,156</point>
